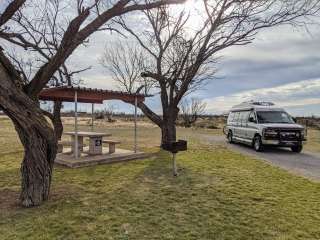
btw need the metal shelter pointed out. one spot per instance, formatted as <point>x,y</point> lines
<point>93,96</point>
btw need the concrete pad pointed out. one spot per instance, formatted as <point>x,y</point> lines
<point>120,155</point>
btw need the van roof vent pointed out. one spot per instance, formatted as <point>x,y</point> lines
<point>258,103</point>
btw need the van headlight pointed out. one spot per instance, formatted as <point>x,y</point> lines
<point>270,133</point>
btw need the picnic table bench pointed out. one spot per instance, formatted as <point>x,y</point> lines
<point>112,144</point>
<point>63,143</point>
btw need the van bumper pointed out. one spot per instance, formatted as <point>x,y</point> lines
<point>282,143</point>
<point>270,142</point>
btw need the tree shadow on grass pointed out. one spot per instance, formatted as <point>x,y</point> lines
<point>9,199</point>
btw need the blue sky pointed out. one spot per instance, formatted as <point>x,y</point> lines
<point>282,65</point>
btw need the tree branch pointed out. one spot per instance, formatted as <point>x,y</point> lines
<point>11,9</point>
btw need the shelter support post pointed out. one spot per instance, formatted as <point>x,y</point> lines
<point>76,124</point>
<point>92,116</point>
<point>135,124</point>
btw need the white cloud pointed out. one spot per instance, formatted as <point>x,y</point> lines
<point>296,94</point>
<point>100,81</point>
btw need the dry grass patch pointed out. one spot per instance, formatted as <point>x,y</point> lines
<point>313,143</point>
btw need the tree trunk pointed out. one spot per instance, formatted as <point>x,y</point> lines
<point>57,122</point>
<point>37,165</point>
<point>37,138</point>
<point>168,132</point>
<point>168,127</point>
<point>167,123</point>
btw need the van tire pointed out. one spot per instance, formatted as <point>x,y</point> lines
<point>257,144</point>
<point>297,149</point>
<point>230,137</point>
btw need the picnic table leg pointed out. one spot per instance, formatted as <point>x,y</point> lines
<point>80,144</point>
<point>112,148</point>
<point>95,145</point>
<point>60,148</point>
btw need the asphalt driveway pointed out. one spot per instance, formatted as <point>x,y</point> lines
<point>306,164</point>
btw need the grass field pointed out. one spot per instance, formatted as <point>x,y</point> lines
<point>219,194</point>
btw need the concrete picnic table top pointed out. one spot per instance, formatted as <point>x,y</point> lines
<point>88,134</point>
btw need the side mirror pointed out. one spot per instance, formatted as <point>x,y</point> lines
<point>251,119</point>
<point>294,119</point>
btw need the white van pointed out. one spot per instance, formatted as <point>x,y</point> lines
<point>262,123</point>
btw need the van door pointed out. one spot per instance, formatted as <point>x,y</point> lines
<point>236,124</point>
<point>244,121</point>
<point>230,123</point>
<point>252,125</point>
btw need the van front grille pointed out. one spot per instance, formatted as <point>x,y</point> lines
<point>285,135</point>
<point>290,135</point>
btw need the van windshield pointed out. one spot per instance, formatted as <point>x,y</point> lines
<point>274,117</point>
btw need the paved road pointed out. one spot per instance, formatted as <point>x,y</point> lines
<point>306,164</point>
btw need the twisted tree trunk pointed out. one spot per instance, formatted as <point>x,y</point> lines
<point>36,135</point>
<point>39,154</point>
<point>57,122</point>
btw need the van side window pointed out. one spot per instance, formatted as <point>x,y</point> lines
<point>241,115</point>
<point>252,115</point>
<point>231,117</point>
<point>245,117</point>
<point>236,117</point>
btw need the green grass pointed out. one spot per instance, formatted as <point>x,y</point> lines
<point>219,194</point>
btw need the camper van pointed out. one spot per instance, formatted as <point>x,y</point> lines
<point>262,123</point>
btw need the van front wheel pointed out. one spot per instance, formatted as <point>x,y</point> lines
<point>297,149</point>
<point>230,137</point>
<point>257,144</point>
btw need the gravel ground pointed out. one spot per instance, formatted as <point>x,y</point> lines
<point>306,164</point>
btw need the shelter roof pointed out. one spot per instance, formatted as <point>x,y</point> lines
<point>87,95</point>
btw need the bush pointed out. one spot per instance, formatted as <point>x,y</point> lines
<point>212,126</point>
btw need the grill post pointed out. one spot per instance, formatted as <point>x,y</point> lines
<point>175,172</point>
<point>174,148</point>
<point>92,116</point>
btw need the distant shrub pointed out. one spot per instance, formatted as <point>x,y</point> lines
<point>201,125</point>
<point>99,115</point>
<point>212,126</point>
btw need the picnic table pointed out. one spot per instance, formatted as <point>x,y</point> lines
<point>95,141</point>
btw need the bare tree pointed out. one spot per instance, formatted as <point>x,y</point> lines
<point>109,112</point>
<point>191,110</point>
<point>18,99</point>
<point>125,64</point>
<point>184,55</point>
<point>125,61</point>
